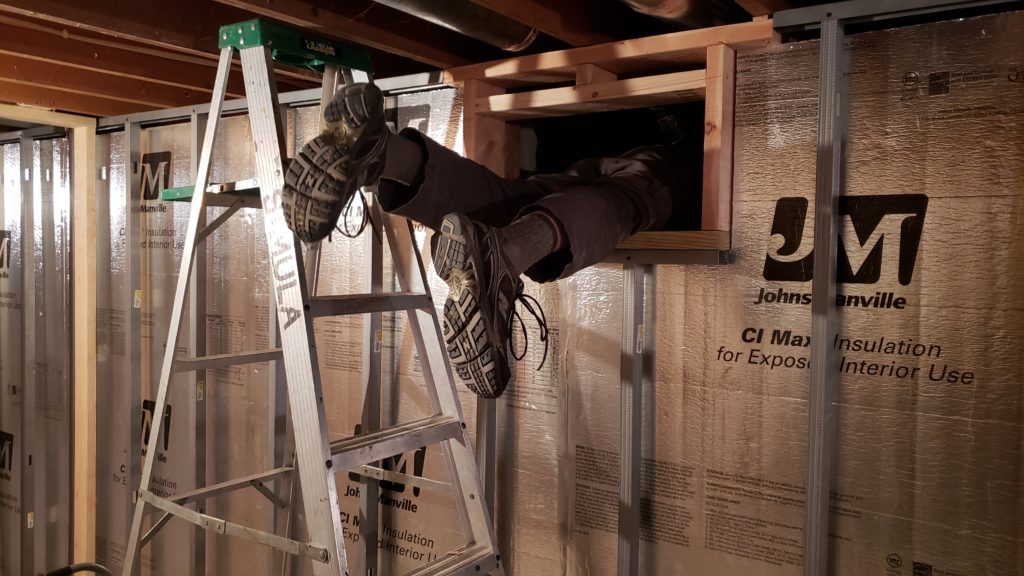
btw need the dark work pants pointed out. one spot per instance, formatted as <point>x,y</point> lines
<point>599,202</point>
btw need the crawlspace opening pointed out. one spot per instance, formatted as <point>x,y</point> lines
<point>551,145</point>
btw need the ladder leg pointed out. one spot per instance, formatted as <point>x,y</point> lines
<point>305,395</point>
<point>285,489</point>
<point>426,331</point>
<point>184,274</point>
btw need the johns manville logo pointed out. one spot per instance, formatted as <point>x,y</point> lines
<point>6,455</point>
<point>156,174</point>
<point>5,253</point>
<point>878,235</point>
<point>879,239</point>
<point>148,413</point>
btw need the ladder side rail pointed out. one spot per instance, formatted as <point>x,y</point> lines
<point>130,142</point>
<point>283,430</point>
<point>305,394</point>
<point>184,274</point>
<point>284,515</point>
<point>459,456</point>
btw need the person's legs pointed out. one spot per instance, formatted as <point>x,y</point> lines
<point>631,193</point>
<point>490,229</point>
<point>416,177</point>
<point>446,182</point>
<point>560,233</point>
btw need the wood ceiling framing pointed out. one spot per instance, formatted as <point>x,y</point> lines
<point>109,57</point>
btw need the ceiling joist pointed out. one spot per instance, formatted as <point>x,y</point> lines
<point>151,23</point>
<point>133,92</point>
<point>76,53</point>
<point>353,21</point>
<point>53,99</point>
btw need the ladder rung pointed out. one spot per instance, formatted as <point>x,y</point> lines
<point>366,303</point>
<point>373,446</point>
<point>472,560</point>
<point>229,485</point>
<point>248,187</point>
<point>190,363</point>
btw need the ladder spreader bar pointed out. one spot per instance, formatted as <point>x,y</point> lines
<point>221,526</point>
<point>190,363</point>
<point>229,485</point>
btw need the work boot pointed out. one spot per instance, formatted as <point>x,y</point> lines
<point>329,169</point>
<point>478,314</point>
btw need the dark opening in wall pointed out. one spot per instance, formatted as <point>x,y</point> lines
<point>561,141</point>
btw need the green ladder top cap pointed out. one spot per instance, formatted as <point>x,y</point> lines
<point>293,47</point>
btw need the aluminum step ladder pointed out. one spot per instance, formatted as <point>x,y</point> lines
<point>316,459</point>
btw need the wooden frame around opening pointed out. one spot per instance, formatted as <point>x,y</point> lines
<point>642,72</point>
<point>83,225</point>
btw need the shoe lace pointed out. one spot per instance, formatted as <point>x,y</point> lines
<point>345,229</point>
<point>531,305</point>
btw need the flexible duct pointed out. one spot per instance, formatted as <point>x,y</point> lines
<point>470,19</point>
<point>689,13</point>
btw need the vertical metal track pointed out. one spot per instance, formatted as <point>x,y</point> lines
<point>29,378</point>
<point>198,206</point>
<point>821,408</point>
<point>313,253</point>
<point>373,336</point>
<point>648,432</point>
<point>305,397</point>
<point>487,448</point>
<point>631,417</point>
<point>47,350</point>
<point>132,300</point>
<point>197,347</point>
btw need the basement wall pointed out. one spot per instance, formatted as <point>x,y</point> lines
<point>930,461</point>
<point>35,351</point>
<point>931,418</point>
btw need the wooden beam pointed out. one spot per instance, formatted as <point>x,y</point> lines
<point>147,22</point>
<point>83,140</point>
<point>672,240</point>
<point>190,28</point>
<point>22,70</point>
<point>575,23</point>
<point>764,7</point>
<point>615,95</point>
<point>83,226</point>
<point>590,74</point>
<point>489,141</point>
<point>154,23</point>
<point>676,49</point>
<point>37,45</point>
<point>716,199</point>
<point>417,40</point>
<point>52,99</point>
